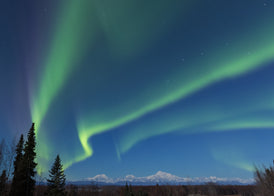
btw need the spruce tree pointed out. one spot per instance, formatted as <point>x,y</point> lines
<point>29,164</point>
<point>128,190</point>
<point>57,179</point>
<point>16,180</point>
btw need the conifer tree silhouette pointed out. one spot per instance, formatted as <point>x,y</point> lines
<point>57,179</point>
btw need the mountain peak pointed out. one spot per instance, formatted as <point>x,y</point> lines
<point>101,178</point>
<point>161,173</point>
<point>130,176</point>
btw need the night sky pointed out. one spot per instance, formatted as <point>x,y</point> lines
<point>137,86</point>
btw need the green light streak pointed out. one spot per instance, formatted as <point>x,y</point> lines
<point>232,157</point>
<point>188,123</point>
<point>73,31</point>
<point>69,44</point>
<point>223,71</point>
<point>239,65</point>
<point>251,123</point>
<point>85,132</point>
<point>228,70</point>
<point>245,125</point>
<point>67,47</point>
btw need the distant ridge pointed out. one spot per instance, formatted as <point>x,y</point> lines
<point>162,178</point>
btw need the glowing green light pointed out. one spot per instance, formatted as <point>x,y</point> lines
<point>70,41</point>
<point>76,25</point>
<point>66,49</point>
<point>232,157</point>
<point>211,72</point>
<point>232,69</point>
<point>218,71</point>
<point>251,123</point>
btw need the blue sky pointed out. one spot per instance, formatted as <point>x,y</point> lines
<point>134,87</point>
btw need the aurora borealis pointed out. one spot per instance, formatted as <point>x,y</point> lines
<point>110,84</point>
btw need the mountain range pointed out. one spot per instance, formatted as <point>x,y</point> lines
<point>162,178</point>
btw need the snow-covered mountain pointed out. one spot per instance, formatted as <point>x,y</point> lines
<point>101,178</point>
<point>163,178</point>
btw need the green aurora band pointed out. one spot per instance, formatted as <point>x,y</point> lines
<point>216,71</point>
<point>69,42</point>
<point>76,28</point>
<point>232,157</point>
<point>64,58</point>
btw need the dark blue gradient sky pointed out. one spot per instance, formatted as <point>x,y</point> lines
<point>134,87</point>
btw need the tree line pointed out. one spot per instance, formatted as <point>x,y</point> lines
<point>18,172</point>
<point>23,160</point>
